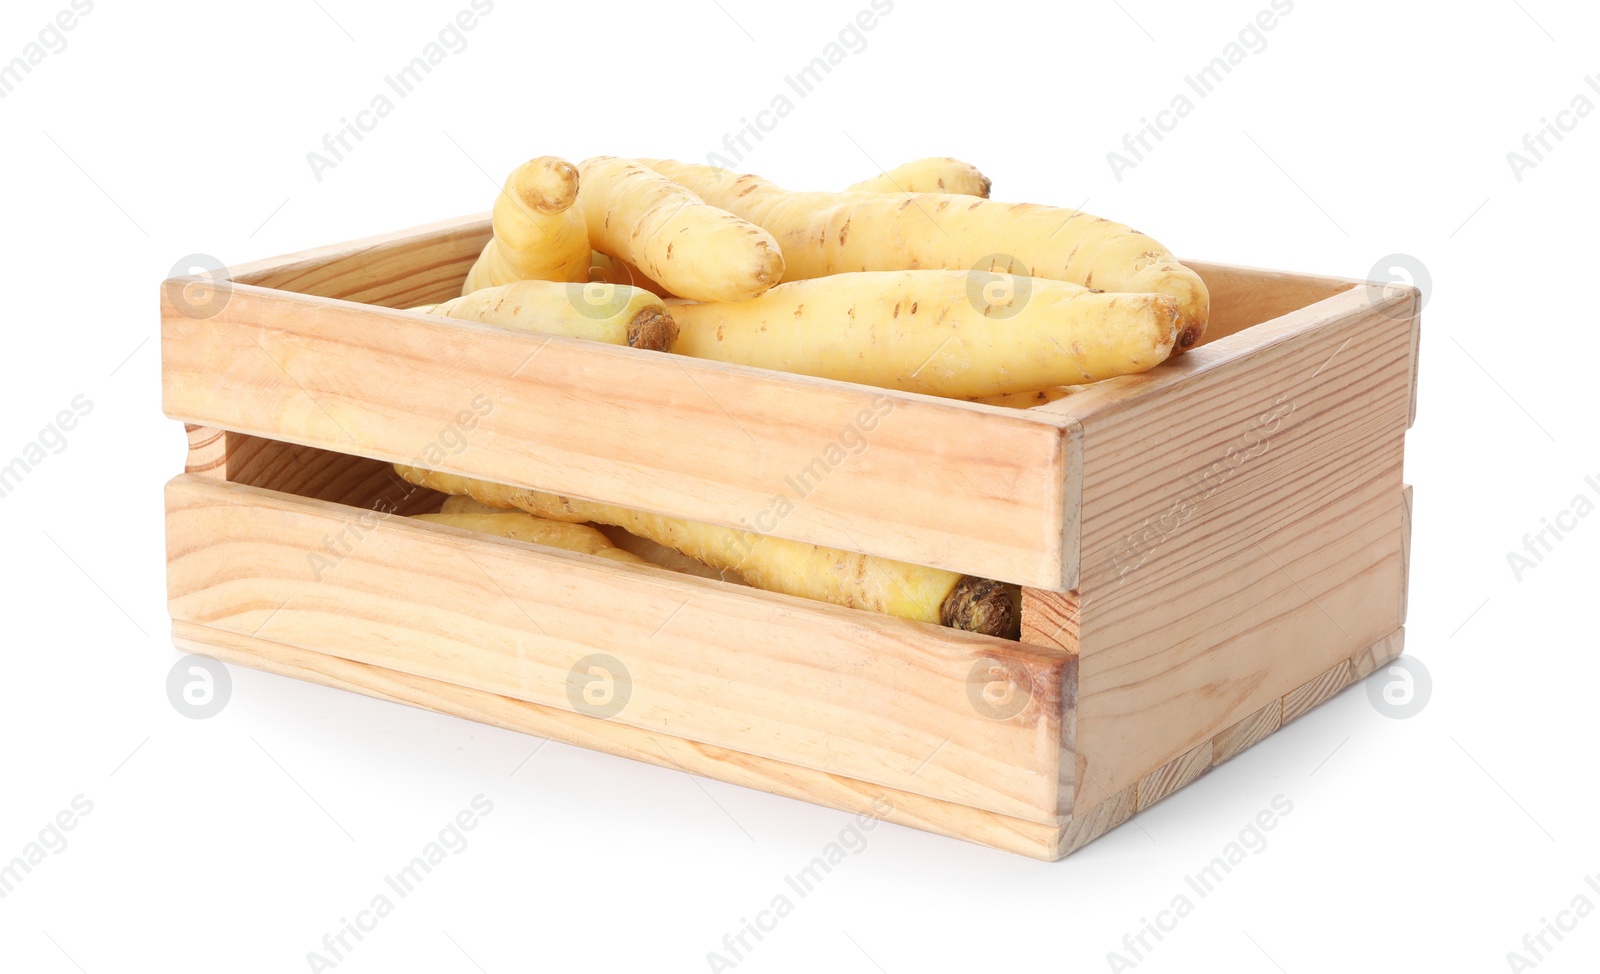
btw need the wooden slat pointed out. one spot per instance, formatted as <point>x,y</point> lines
<point>423,265</point>
<point>976,489</point>
<point>1233,349</point>
<point>1405,553</point>
<point>372,484</point>
<point>1416,353</point>
<point>1246,296</point>
<point>852,693</point>
<point>657,748</point>
<point>664,749</point>
<point>305,471</point>
<point>1210,597</point>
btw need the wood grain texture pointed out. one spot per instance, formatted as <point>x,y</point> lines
<point>1050,618</point>
<point>1416,353</point>
<point>1405,553</point>
<point>1242,297</point>
<point>1212,548</point>
<point>208,451</point>
<point>404,269</point>
<point>308,472</point>
<point>371,484</point>
<point>657,748</point>
<point>1247,733</point>
<point>1366,662</point>
<point>977,489</point>
<point>1167,780</point>
<point>853,693</point>
<point>1241,531</point>
<point>1091,824</point>
<point>1317,692</point>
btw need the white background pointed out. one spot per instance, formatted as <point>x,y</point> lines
<point>1363,129</point>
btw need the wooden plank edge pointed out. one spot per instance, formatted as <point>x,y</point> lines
<point>1225,352</point>
<point>1332,283</point>
<point>1236,739</point>
<point>1050,618</point>
<point>208,451</point>
<point>1416,352</point>
<point>307,305</point>
<point>1405,552</point>
<point>775,777</point>
<point>1385,650</point>
<point>258,270</point>
<point>1071,508</point>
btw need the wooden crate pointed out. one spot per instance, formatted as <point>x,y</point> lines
<point>1208,550</point>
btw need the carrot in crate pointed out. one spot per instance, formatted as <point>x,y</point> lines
<point>942,333</point>
<point>776,564</point>
<point>522,526</point>
<point>832,233</point>
<point>539,232</point>
<point>939,174</point>
<point>694,250</point>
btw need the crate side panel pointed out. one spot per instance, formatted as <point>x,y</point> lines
<point>852,693</point>
<point>1241,535</point>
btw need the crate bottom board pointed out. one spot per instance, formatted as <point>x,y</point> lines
<point>1047,842</point>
